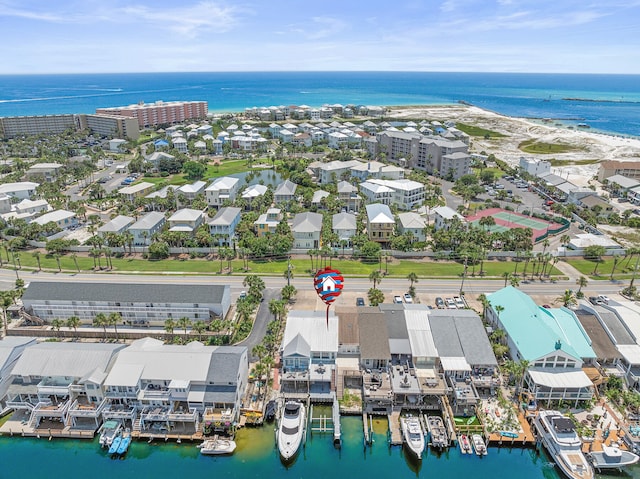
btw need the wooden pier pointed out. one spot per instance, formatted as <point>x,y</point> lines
<point>367,429</point>
<point>395,434</point>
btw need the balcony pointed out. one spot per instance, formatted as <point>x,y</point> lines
<point>54,387</point>
<point>153,392</point>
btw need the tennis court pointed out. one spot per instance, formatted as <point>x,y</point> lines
<point>506,220</point>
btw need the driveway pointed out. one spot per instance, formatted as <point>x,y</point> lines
<point>263,317</point>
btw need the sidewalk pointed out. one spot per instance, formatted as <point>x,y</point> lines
<point>568,270</point>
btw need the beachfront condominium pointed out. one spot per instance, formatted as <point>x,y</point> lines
<point>160,112</point>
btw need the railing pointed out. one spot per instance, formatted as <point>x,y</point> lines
<point>183,417</point>
<point>20,405</point>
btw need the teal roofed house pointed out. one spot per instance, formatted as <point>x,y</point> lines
<point>552,341</point>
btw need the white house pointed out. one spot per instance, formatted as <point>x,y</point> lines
<point>413,223</point>
<point>63,218</point>
<point>345,226</point>
<point>143,229</point>
<point>444,216</point>
<point>186,220</point>
<point>21,190</point>
<point>222,189</point>
<point>306,229</point>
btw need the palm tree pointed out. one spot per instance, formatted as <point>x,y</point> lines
<point>376,277</point>
<point>36,255</point>
<point>515,281</point>
<point>56,324</point>
<point>375,297</point>
<point>565,239</point>
<point>112,320</point>
<point>101,321</point>
<point>74,257</point>
<point>169,325</point>
<point>567,298</point>
<point>498,309</point>
<point>6,300</point>
<point>199,328</point>
<point>413,277</point>
<point>484,302</point>
<point>582,282</point>
<point>506,275</point>
<point>288,292</point>
<point>616,259</point>
<point>72,323</point>
<point>184,323</point>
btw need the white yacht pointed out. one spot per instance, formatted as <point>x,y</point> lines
<point>612,457</point>
<point>479,445</point>
<point>291,429</point>
<point>558,434</point>
<point>413,435</point>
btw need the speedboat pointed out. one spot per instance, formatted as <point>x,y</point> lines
<point>291,429</point>
<point>413,435</point>
<point>217,446</point>
<point>108,432</point>
<point>612,457</point>
<point>479,445</point>
<point>465,445</point>
<point>559,436</point>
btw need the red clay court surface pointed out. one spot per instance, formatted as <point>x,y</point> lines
<point>506,220</point>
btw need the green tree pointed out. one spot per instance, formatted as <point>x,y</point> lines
<point>193,170</point>
<point>413,278</point>
<point>595,253</point>
<point>376,277</point>
<point>582,282</point>
<point>568,298</point>
<point>113,320</point>
<point>36,255</point>
<point>184,323</point>
<point>101,321</point>
<point>169,326</point>
<point>6,300</point>
<point>56,324</point>
<point>72,323</point>
<point>199,327</point>
<point>375,296</point>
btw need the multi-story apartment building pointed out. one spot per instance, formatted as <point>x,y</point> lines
<point>160,112</point>
<point>112,126</point>
<point>12,126</point>
<point>138,304</point>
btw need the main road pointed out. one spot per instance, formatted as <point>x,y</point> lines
<point>472,287</point>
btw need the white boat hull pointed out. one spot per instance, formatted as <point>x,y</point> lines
<point>291,429</point>
<point>413,435</point>
<point>217,447</point>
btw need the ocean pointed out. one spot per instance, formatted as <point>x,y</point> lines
<point>257,457</point>
<point>608,103</point>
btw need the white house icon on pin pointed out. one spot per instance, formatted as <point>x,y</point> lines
<point>328,284</point>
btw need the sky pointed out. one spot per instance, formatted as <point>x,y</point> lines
<point>111,36</point>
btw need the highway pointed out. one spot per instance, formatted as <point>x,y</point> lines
<point>472,286</point>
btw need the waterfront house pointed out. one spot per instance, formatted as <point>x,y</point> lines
<point>139,304</point>
<point>375,357</point>
<point>11,347</point>
<point>286,191</point>
<point>191,191</point>
<point>144,229</point>
<point>223,225</point>
<point>306,229</point>
<point>551,340</point>
<point>222,189</point>
<point>60,382</point>
<point>169,388</point>
<point>309,351</point>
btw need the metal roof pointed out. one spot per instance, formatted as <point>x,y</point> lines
<point>124,292</point>
<point>560,380</point>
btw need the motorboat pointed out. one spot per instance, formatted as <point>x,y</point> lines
<point>479,444</point>
<point>559,437</point>
<point>465,445</point>
<point>413,435</point>
<point>113,449</point>
<point>291,429</point>
<point>108,432</point>
<point>612,457</point>
<point>217,446</point>
<point>439,437</point>
<point>125,442</point>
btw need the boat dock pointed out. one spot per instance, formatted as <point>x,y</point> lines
<point>437,432</point>
<point>395,434</point>
<point>324,423</point>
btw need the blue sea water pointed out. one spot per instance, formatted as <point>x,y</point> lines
<point>609,103</point>
<point>257,457</point>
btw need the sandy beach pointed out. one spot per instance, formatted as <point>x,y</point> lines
<point>589,145</point>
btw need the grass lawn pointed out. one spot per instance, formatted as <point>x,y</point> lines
<point>534,146</point>
<point>472,130</point>
<point>555,162</point>
<point>586,267</point>
<point>301,266</point>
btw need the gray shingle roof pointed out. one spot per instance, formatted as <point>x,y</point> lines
<point>123,292</point>
<point>374,339</point>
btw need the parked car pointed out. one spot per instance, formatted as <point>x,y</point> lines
<point>408,298</point>
<point>459,302</point>
<point>604,299</point>
<point>595,300</point>
<point>451,304</point>
<point>243,295</point>
<point>439,303</point>
<point>499,186</point>
<point>359,301</point>
<point>397,299</point>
